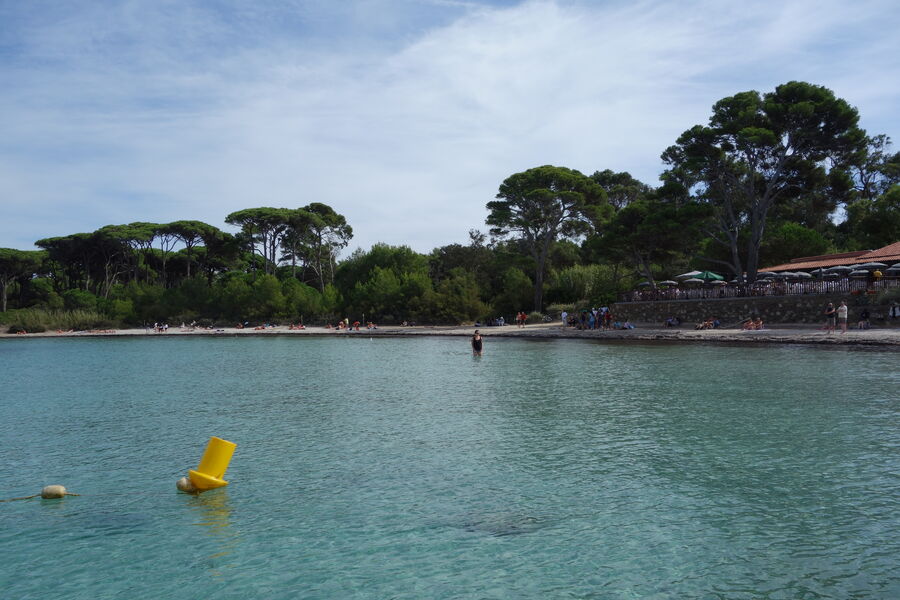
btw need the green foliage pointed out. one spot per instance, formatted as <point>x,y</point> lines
<point>586,285</point>
<point>267,301</point>
<point>455,300</point>
<point>791,240</point>
<point>516,295</point>
<point>79,300</point>
<point>543,204</point>
<point>233,298</point>
<point>761,153</point>
<point>877,223</point>
<point>17,265</point>
<point>888,296</point>
<point>555,310</point>
<point>302,301</point>
<point>35,320</point>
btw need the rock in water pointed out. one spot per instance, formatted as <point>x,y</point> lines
<point>53,491</point>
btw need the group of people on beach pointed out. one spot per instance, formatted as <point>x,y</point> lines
<point>838,317</point>
<point>345,325</point>
<point>709,323</point>
<point>595,318</point>
<point>753,324</point>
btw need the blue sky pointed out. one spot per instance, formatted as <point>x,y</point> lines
<point>403,115</point>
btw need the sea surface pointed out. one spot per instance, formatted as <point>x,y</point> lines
<point>406,468</point>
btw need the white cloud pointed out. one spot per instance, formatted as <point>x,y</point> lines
<point>409,139</point>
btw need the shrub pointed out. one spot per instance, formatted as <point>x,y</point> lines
<point>555,310</point>
<point>887,296</point>
<point>76,300</point>
<point>37,320</point>
<point>535,317</point>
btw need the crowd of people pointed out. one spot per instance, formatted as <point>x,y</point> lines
<point>595,318</point>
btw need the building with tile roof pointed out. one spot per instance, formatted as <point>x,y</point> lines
<point>888,255</point>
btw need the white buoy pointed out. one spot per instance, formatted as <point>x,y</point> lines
<point>53,491</point>
<point>184,485</point>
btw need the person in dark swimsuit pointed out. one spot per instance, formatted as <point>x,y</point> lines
<point>476,344</point>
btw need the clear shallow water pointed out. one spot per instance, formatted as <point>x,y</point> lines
<point>406,468</point>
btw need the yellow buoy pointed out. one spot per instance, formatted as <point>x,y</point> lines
<point>209,473</point>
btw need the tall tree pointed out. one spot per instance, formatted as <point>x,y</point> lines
<point>73,254</point>
<point>759,150</point>
<point>877,224</point>
<point>621,188</point>
<point>191,234</point>
<point>328,234</point>
<point>299,224</point>
<point>544,204</point>
<point>265,226</point>
<point>652,231</point>
<point>16,265</point>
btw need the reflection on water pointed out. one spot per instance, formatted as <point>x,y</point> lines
<point>211,514</point>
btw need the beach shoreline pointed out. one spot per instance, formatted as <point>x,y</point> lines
<point>779,334</point>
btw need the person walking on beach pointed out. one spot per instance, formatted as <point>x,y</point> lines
<point>842,316</point>
<point>476,344</point>
<point>830,314</point>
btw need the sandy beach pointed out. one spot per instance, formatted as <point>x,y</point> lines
<point>779,334</point>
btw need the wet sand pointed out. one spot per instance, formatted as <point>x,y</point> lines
<point>779,334</point>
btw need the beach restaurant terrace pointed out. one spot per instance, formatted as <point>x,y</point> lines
<point>852,273</point>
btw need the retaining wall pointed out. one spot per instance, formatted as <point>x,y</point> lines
<point>772,309</point>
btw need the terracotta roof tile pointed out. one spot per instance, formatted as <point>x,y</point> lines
<point>888,255</point>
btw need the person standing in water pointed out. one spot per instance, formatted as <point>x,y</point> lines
<point>476,344</point>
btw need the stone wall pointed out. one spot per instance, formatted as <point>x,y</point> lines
<point>772,309</point>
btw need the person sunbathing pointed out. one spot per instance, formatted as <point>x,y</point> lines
<point>758,323</point>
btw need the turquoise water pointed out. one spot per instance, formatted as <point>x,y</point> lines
<point>406,468</point>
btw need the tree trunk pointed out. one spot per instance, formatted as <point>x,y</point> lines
<point>644,267</point>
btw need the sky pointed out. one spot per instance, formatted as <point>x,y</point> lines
<point>405,116</point>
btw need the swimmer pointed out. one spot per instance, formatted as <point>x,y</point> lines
<point>476,344</point>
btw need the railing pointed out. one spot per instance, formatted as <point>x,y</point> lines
<point>764,288</point>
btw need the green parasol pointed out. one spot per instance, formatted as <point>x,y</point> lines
<point>709,276</point>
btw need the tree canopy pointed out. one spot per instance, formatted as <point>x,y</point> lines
<point>759,150</point>
<point>543,204</point>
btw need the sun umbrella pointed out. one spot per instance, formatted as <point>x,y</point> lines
<point>718,282</point>
<point>693,280</point>
<point>894,268</point>
<point>859,273</point>
<point>688,274</point>
<point>764,274</point>
<point>818,272</point>
<point>839,269</point>
<point>708,276</point>
<point>668,282</point>
<point>644,284</point>
<point>871,265</point>
<point>831,275</point>
<point>783,275</point>
<point>803,275</point>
